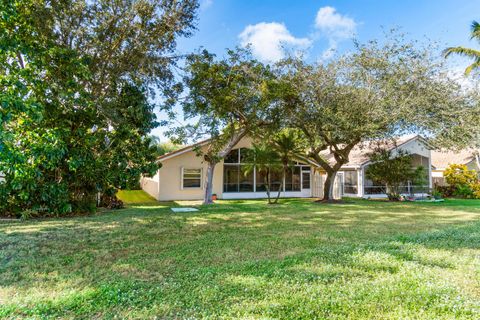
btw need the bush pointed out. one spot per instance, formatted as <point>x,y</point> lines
<point>462,182</point>
<point>463,191</point>
<point>459,174</point>
<point>446,191</point>
<point>475,190</point>
<point>111,202</point>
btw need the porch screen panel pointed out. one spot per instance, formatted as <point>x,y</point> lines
<point>350,182</point>
<point>231,175</point>
<point>292,179</point>
<point>245,181</point>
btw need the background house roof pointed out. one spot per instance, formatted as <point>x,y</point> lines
<point>442,159</point>
<point>360,153</point>
<point>358,156</point>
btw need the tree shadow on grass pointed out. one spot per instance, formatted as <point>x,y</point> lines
<point>210,262</point>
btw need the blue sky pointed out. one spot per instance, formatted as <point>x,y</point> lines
<point>322,28</point>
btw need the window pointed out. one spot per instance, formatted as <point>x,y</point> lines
<point>350,181</point>
<point>231,157</point>
<point>245,181</point>
<point>191,178</point>
<point>306,179</point>
<point>245,154</point>
<point>292,179</point>
<point>235,179</point>
<point>230,178</point>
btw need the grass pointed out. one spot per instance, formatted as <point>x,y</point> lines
<point>246,259</point>
<point>136,197</point>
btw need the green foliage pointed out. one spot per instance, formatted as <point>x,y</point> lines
<point>463,181</point>
<point>468,52</point>
<point>445,191</point>
<point>459,174</point>
<point>229,98</point>
<point>379,90</point>
<point>75,78</point>
<point>394,171</point>
<point>264,160</point>
<point>164,147</point>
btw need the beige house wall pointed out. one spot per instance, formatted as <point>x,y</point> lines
<point>170,175</point>
<point>166,185</point>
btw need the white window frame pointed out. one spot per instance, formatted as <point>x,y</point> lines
<point>182,178</point>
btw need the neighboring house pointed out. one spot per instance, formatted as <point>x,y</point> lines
<point>442,159</point>
<point>182,175</point>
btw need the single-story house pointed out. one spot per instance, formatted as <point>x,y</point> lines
<point>443,158</point>
<point>182,175</point>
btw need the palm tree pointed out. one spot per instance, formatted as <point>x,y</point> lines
<point>286,144</point>
<point>264,160</point>
<point>468,52</point>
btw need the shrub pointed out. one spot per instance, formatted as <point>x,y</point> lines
<point>394,171</point>
<point>463,191</point>
<point>462,181</point>
<point>445,191</point>
<point>475,190</point>
<point>459,174</point>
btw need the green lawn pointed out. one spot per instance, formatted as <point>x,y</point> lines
<point>246,259</point>
<point>135,197</point>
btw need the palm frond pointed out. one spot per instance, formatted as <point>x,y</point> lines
<point>473,66</point>
<point>475,30</point>
<point>467,52</point>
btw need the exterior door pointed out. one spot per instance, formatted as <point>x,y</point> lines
<point>306,184</point>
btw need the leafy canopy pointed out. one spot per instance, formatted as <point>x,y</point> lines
<point>394,171</point>
<point>76,79</point>
<point>378,91</point>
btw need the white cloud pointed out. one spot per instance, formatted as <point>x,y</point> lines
<point>333,23</point>
<point>269,41</point>
<point>335,27</point>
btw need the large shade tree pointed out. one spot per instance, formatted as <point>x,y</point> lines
<point>76,81</point>
<point>378,91</point>
<point>227,98</point>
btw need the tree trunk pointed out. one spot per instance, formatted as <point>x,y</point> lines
<point>328,186</point>
<point>281,187</point>
<point>266,181</point>
<point>207,199</point>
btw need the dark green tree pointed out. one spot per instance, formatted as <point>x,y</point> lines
<point>75,81</point>
<point>394,170</point>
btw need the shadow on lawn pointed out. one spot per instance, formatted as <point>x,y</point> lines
<point>193,261</point>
